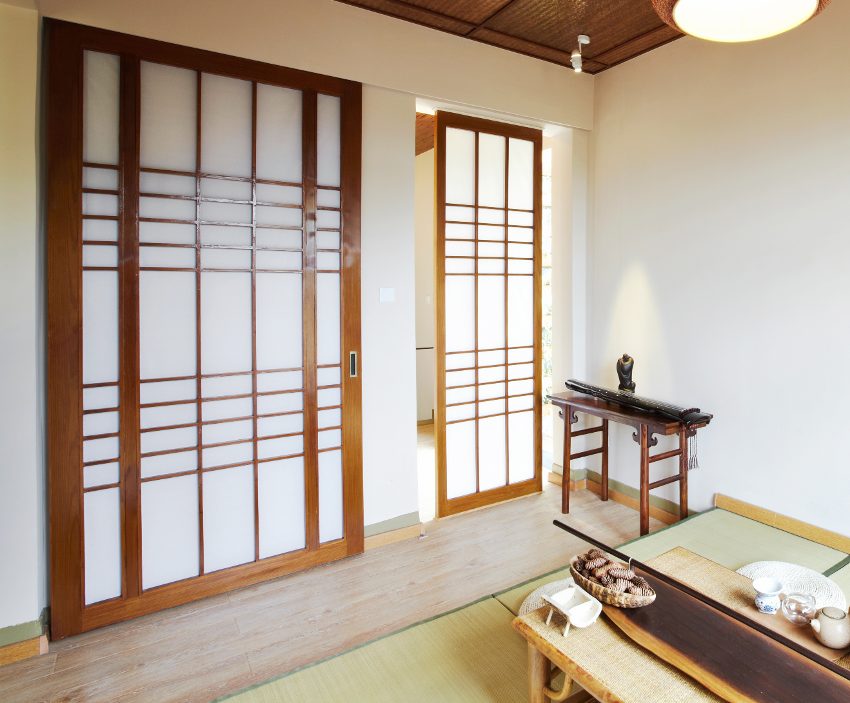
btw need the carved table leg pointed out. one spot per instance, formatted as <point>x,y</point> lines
<point>683,473</point>
<point>644,480</point>
<point>604,487</point>
<point>568,442</point>
<point>538,675</point>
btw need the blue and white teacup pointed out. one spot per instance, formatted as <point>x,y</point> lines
<point>767,594</point>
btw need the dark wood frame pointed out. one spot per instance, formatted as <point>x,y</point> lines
<point>446,506</point>
<point>646,426</point>
<point>65,45</point>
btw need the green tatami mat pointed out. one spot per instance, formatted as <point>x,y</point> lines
<point>842,578</point>
<point>733,541</point>
<point>468,656</point>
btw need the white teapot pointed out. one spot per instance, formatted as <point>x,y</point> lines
<point>832,628</point>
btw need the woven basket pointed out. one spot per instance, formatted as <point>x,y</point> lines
<point>606,595</point>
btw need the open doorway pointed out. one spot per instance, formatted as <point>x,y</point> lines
<point>425,340</point>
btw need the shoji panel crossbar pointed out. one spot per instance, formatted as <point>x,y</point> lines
<point>488,283</point>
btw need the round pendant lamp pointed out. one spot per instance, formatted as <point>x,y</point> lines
<point>737,20</point>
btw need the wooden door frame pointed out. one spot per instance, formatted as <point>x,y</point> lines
<point>446,506</point>
<point>65,44</point>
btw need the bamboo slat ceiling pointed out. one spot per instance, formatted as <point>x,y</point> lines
<point>546,29</point>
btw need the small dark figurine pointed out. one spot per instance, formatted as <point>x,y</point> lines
<point>625,365</point>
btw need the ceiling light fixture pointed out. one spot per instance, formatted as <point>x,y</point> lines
<point>737,20</point>
<point>575,57</point>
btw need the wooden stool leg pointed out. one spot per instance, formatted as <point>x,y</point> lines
<point>604,488</point>
<point>565,462</point>
<point>644,480</point>
<point>538,675</point>
<point>683,473</point>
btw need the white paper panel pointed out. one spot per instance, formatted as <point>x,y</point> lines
<point>226,385</point>
<point>460,214</point>
<point>101,474</point>
<point>167,184</point>
<point>225,322</point>
<point>102,544</point>
<point>328,141</point>
<point>460,412</point>
<point>521,448</point>
<point>491,407</point>
<point>520,234</point>
<point>459,378</point>
<point>169,463</point>
<point>226,259</point>
<point>166,257</point>
<point>491,233</point>
<point>521,174</point>
<point>460,266</point>
<point>330,496</point>
<point>524,402</point>
<point>168,415</point>
<point>460,361</point>
<point>228,517</point>
<point>166,324</point>
<point>100,204</point>
<point>330,418</point>
<point>327,261</point>
<point>168,119</point>
<point>279,381</point>
<point>491,217</point>
<point>491,312</point>
<point>280,260</point>
<point>460,313</point>
<point>100,230</point>
<point>284,239</point>
<point>282,424</point>
<point>491,390</point>
<point>520,371</point>
<point>491,170</point>
<point>169,439</point>
<point>328,376</point>
<point>228,454</point>
<point>327,318</point>
<point>459,231</point>
<point>285,402</point>
<point>330,438</point>
<point>281,507</point>
<point>327,198</point>
<point>167,209</point>
<point>278,133</point>
<point>328,219</point>
<point>166,233</point>
<point>211,211</point>
<point>281,446</point>
<point>460,395</point>
<point>491,266</point>
<point>460,459</point>
<point>279,320</point>
<point>100,326</point>
<point>101,178</point>
<point>285,195</point>
<point>520,355</point>
<point>103,397</point>
<point>491,448</point>
<point>488,358</point>
<point>497,373</point>
<point>520,311</point>
<point>225,125</point>
<point>460,167</point>
<point>227,431</point>
<point>169,530</point>
<point>100,255</point>
<point>227,409</point>
<point>100,423</point>
<point>460,248</point>
<point>99,449</point>
<point>100,107</point>
<point>521,387</point>
<point>226,236</point>
<point>226,188</point>
<point>521,266</point>
<point>524,219</point>
<point>162,391</point>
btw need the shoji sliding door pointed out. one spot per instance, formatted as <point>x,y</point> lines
<point>488,312</point>
<point>203,293</point>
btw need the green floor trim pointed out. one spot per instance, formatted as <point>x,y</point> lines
<point>22,632</point>
<point>395,523</point>
<point>840,565</point>
<point>668,506</point>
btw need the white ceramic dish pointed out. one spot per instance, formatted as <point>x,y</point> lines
<point>577,607</point>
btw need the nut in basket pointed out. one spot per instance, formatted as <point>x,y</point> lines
<point>609,581</point>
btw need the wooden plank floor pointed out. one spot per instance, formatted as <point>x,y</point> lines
<point>203,650</point>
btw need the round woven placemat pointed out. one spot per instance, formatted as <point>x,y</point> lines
<point>799,579</point>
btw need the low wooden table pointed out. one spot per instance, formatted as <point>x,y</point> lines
<point>646,426</point>
<point>614,669</point>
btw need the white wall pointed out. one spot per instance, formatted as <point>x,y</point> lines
<point>720,256</point>
<point>424,233</point>
<point>389,337</point>
<point>21,549</point>
<point>340,40</point>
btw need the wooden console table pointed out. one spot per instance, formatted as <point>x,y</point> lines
<point>646,426</point>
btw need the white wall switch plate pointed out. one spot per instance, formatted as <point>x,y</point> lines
<point>386,295</point>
